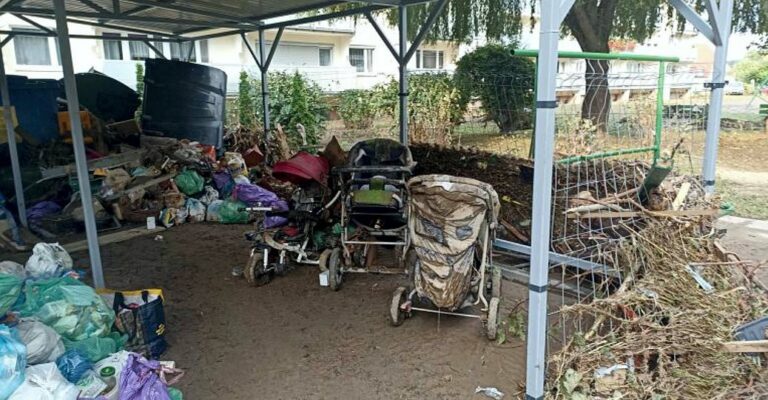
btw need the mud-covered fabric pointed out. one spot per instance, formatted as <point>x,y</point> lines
<point>448,218</point>
<point>379,152</point>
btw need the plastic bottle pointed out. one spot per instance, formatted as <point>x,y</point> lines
<point>107,374</point>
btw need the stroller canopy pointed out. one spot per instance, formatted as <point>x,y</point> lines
<point>379,152</point>
<point>449,215</point>
<point>301,168</point>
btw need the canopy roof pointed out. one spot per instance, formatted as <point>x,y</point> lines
<point>179,19</point>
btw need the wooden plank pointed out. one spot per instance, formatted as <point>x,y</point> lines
<point>746,346</point>
<point>681,195</point>
<point>660,214</point>
<point>151,182</point>
<point>116,237</point>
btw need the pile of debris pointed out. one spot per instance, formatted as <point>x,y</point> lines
<point>60,338</point>
<point>675,327</point>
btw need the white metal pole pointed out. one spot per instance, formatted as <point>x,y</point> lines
<point>536,362</point>
<point>81,162</point>
<point>18,185</point>
<point>403,26</point>
<point>723,24</point>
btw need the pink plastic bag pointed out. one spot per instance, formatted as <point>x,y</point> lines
<point>142,379</point>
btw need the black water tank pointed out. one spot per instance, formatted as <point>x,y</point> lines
<point>184,101</point>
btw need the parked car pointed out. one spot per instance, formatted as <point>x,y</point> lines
<point>735,87</point>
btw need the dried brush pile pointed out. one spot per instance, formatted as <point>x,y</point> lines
<point>660,335</point>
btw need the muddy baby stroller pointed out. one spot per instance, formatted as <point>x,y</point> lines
<point>452,224</point>
<point>374,212</point>
<point>299,237</point>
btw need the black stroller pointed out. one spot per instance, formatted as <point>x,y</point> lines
<point>374,210</point>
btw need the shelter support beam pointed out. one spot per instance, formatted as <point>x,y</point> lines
<point>718,31</point>
<point>83,177</point>
<point>402,25</point>
<point>18,185</point>
<point>552,14</point>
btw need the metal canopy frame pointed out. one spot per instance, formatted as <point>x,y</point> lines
<point>172,22</point>
<point>184,24</point>
<point>716,28</point>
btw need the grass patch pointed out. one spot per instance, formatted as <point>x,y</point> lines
<point>747,205</point>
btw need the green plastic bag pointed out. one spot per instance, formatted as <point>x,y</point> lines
<point>97,348</point>
<point>233,212</point>
<point>10,288</point>
<point>73,309</point>
<point>189,182</point>
<point>175,394</point>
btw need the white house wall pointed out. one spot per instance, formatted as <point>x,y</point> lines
<point>230,54</point>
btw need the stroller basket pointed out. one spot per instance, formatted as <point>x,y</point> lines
<point>451,224</point>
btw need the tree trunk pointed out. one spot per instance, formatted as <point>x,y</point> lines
<point>597,98</point>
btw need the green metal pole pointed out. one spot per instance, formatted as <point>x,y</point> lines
<point>606,154</point>
<point>659,112</point>
<point>599,56</point>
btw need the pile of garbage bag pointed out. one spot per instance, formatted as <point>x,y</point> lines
<point>59,339</point>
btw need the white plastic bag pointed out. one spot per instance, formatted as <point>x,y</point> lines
<point>209,196</point>
<point>44,345</point>
<point>213,213</point>
<point>48,260</point>
<point>13,268</point>
<point>45,382</point>
<point>196,210</point>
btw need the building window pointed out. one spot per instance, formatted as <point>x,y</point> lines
<point>31,50</point>
<point>204,50</point>
<point>113,49</point>
<point>325,57</point>
<point>429,59</point>
<point>179,51</point>
<point>361,59</point>
<point>139,50</point>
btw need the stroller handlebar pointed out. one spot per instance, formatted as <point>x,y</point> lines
<point>375,168</point>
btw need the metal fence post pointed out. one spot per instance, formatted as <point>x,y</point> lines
<point>83,177</point>
<point>659,111</point>
<point>18,184</point>
<point>716,100</point>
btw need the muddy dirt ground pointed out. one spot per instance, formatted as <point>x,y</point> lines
<point>293,339</point>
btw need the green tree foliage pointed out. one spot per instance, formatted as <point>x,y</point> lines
<point>245,101</point>
<point>434,106</point>
<point>501,81</point>
<point>753,68</point>
<point>293,99</point>
<point>357,108</point>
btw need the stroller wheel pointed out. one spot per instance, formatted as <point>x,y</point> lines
<point>254,273</point>
<point>323,262</point>
<point>396,314</point>
<point>334,269</point>
<point>492,323</point>
<point>496,282</point>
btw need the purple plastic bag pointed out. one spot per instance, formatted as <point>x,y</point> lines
<point>274,222</point>
<point>140,380</point>
<point>221,178</point>
<point>254,195</point>
<point>42,209</point>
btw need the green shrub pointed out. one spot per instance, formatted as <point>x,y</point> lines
<point>293,99</point>
<point>356,108</point>
<point>245,108</point>
<point>434,106</point>
<point>502,82</point>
